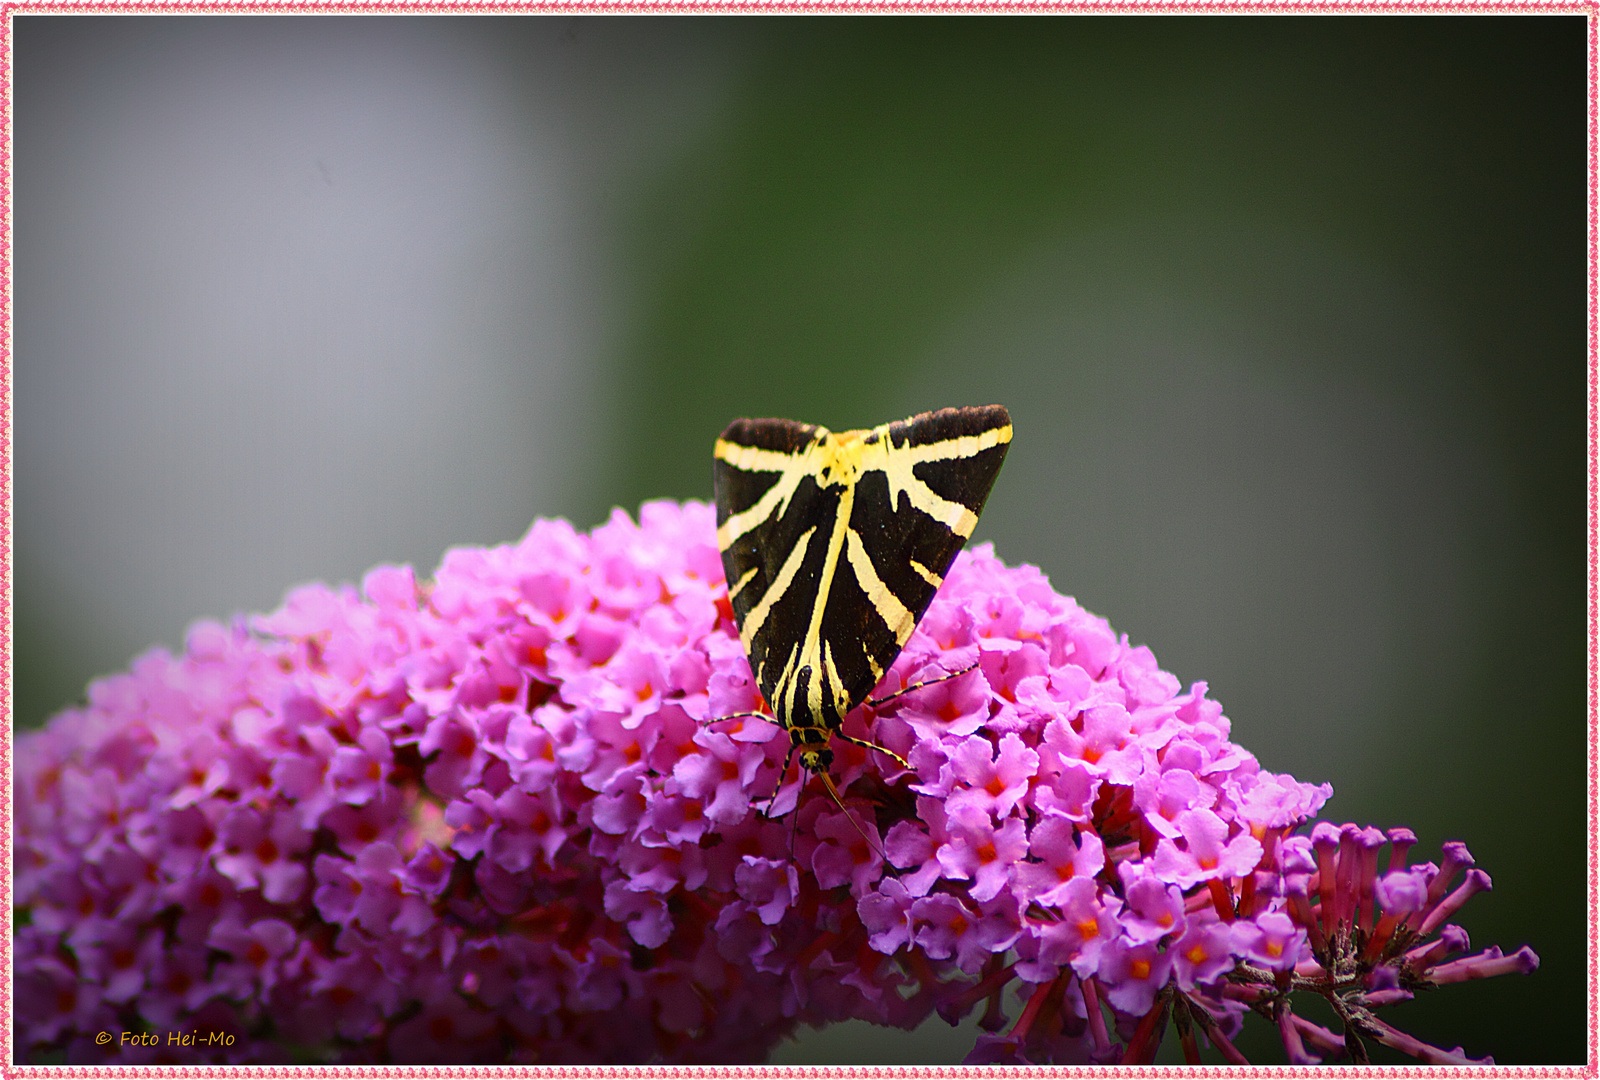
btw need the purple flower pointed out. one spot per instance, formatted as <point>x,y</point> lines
<point>1133,975</point>
<point>1270,939</point>
<point>1203,954</point>
<point>1207,852</point>
<point>769,886</point>
<point>1061,852</point>
<point>718,775</point>
<point>497,817</point>
<point>1154,908</point>
<point>989,781</point>
<point>886,914</point>
<point>979,852</point>
<point>848,853</point>
<point>949,927</point>
<point>258,852</point>
<point>257,950</point>
<point>911,848</point>
<point>1087,924</point>
<point>448,1031</point>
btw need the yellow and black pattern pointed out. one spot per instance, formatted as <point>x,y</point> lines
<point>834,545</point>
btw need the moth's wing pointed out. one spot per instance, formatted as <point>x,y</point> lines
<point>910,519</point>
<point>770,514</point>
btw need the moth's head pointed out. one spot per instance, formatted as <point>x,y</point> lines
<point>816,760</point>
<point>838,459</point>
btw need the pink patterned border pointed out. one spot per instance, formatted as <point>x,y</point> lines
<point>5,525</point>
<point>1589,8</point>
<point>1594,523</point>
<point>803,7</point>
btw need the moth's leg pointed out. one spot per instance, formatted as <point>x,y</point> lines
<point>787,758</point>
<point>872,746</point>
<point>740,716</point>
<point>918,686</point>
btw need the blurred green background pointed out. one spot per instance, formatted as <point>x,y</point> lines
<point>1289,314</point>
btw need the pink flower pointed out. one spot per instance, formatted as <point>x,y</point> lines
<point>1155,909</point>
<point>719,775</point>
<point>500,817</point>
<point>1088,923</point>
<point>257,852</point>
<point>258,950</point>
<point>979,852</point>
<point>848,853</point>
<point>1062,851</point>
<point>992,781</point>
<point>886,914</point>
<point>1207,852</point>
<point>768,885</point>
<point>1133,975</point>
<point>947,926</point>
<point>1203,954</point>
<point>1271,939</point>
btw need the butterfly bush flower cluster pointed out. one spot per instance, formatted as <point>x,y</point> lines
<point>500,818</point>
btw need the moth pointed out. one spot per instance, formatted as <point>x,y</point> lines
<point>834,545</point>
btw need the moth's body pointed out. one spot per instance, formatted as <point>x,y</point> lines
<point>834,545</point>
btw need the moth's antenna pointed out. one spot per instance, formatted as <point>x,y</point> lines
<point>833,793</point>
<point>794,815</point>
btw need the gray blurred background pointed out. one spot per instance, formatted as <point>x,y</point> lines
<point>1289,313</point>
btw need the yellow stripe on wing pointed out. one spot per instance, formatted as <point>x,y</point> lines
<point>780,585</point>
<point>893,613</point>
<point>774,503</point>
